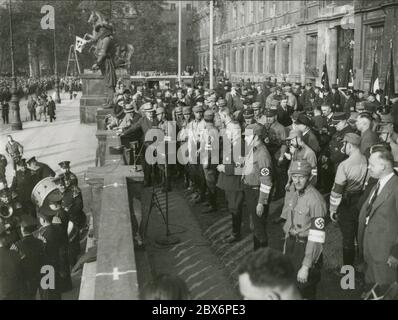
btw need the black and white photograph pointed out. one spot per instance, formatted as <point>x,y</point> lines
<point>208,151</point>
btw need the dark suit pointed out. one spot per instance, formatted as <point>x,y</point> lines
<point>11,286</point>
<point>31,251</point>
<point>368,139</point>
<point>51,110</point>
<point>144,125</point>
<point>283,116</point>
<point>379,239</point>
<point>23,183</point>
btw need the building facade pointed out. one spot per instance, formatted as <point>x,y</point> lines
<point>291,40</point>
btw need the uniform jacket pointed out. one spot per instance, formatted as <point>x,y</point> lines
<point>379,239</point>
<point>31,251</point>
<point>11,286</point>
<point>231,179</point>
<point>143,124</point>
<point>368,139</point>
<point>23,183</point>
<point>258,171</point>
<point>301,211</point>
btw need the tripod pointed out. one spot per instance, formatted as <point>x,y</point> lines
<point>168,239</point>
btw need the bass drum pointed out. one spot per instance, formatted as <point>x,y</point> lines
<point>42,189</point>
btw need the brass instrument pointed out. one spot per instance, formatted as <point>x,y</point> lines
<point>6,211</point>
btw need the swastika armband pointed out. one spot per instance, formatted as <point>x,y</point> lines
<point>265,172</point>
<point>317,230</point>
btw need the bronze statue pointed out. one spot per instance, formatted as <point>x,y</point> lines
<point>110,55</point>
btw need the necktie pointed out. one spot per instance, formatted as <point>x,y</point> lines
<point>371,202</point>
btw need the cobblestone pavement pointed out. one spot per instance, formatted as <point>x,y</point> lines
<point>210,266</point>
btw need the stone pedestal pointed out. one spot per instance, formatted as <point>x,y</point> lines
<point>93,97</point>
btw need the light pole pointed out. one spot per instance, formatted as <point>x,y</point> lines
<point>179,40</point>
<point>57,96</point>
<point>16,123</point>
<point>211,45</point>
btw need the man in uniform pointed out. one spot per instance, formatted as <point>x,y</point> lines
<point>299,151</point>
<point>258,115</point>
<point>257,179</point>
<point>3,166</point>
<point>209,159</point>
<point>52,207</point>
<point>5,110</point>
<point>31,252</point>
<point>347,189</point>
<point>275,142</point>
<point>230,172</point>
<point>11,285</point>
<point>331,154</point>
<point>248,115</point>
<point>23,184</point>
<point>303,123</point>
<point>72,204</point>
<point>368,136</point>
<point>66,173</point>
<point>14,150</point>
<point>304,211</point>
<point>40,169</point>
<point>195,129</point>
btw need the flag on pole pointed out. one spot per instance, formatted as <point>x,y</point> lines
<point>374,80</point>
<point>325,76</point>
<point>80,42</point>
<point>389,85</point>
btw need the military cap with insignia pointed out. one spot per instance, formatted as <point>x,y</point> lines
<point>208,115</point>
<point>270,113</point>
<point>186,110</point>
<point>256,105</point>
<point>352,138</point>
<point>64,164</point>
<point>148,107</point>
<point>178,110</point>
<point>31,159</point>
<point>160,110</point>
<point>339,116</point>
<point>126,91</point>
<point>248,113</point>
<point>255,129</point>
<point>370,107</point>
<point>200,99</point>
<point>304,120</point>
<point>300,167</point>
<point>221,103</point>
<point>197,108</point>
<point>129,108</point>
<point>21,163</point>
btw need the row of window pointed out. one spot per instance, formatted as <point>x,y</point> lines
<point>246,12</point>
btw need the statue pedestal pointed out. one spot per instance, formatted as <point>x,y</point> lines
<point>94,94</point>
<point>93,97</point>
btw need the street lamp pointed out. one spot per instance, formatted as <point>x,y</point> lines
<point>57,96</point>
<point>16,123</point>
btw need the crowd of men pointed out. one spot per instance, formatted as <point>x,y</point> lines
<point>298,142</point>
<point>39,236</point>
